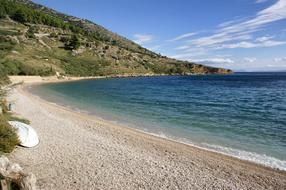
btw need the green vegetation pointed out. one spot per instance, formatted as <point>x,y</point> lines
<point>14,67</point>
<point>31,32</point>
<point>11,117</point>
<point>25,14</point>
<point>8,136</point>
<point>3,77</point>
<point>5,112</point>
<point>41,42</point>
<point>73,43</point>
<point>6,45</point>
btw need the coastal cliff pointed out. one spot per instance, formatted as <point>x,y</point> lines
<point>36,40</point>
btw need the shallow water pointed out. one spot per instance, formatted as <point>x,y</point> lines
<point>243,114</point>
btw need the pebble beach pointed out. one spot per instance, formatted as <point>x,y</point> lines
<point>79,151</point>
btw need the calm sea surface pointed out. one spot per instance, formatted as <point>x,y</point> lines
<point>243,114</point>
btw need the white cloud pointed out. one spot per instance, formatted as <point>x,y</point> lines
<point>181,56</point>
<point>154,48</point>
<point>215,60</point>
<point>245,44</point>
<point>264,38</point>
<point>229,22</point>
<point>239,32</point>
<point>184,36</point>
<point>182,47</point>
<point>250,59</point>
<point>187,56</point>
<point>280,59</point>
<point>264,41</point>
<point>143,38</point>
<point>217,39</point>
<point>273,13</point>
<point>260,1</point>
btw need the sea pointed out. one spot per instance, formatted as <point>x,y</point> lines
<point>242,114</point>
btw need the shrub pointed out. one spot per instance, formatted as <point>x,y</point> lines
<point>64,39</point>
<point>14,67</point>
<point>6,45</point>
<point>3,105</point>
<point>31,32</point>
<point>11,117</point>
<point>73,43</point>
<point>2,93</point>
<point>8,136</point>
<point>2,12</point>
<point>3,77</point>
<point>26,14</point>
<point>53,35</point>
<point>20,15</point>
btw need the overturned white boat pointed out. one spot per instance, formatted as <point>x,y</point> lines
<point>27,135</point>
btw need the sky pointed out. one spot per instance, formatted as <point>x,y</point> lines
<point>243,35</point>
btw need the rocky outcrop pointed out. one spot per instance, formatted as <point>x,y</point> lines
<point>201,69</point>
<point>12,173</point>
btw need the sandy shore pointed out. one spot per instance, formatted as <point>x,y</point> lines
<point>78,151</point>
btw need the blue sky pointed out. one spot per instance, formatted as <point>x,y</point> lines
<point>243,35</point>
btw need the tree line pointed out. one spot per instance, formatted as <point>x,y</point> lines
<point>24,14</point>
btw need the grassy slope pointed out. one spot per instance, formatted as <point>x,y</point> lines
<point>107,54</point>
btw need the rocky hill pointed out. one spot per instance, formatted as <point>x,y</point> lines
<point>36,40</point>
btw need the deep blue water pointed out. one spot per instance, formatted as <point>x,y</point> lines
<point>243,114</point>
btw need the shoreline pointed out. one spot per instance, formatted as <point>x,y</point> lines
<point>105,121</point>
<point>54,79</point>
<point>260,161</point>
<point>155,140</point>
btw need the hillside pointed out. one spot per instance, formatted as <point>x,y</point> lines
<point>35,40</point>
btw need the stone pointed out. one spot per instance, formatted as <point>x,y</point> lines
<point>4,163</point>
<point>15,173</point>
<point>28,182</point>
<point>14,168</point>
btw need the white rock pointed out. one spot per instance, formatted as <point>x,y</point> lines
<point>4,163</point>
<point>14,168</point>
<point>28,182</point>
<point>15,172</point>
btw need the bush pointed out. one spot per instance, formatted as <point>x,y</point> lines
<point>26,14</point>
<point>73,43</point>
<point>3,77</point>
<point>53,35</point>
<point>14,67</point>
<point>2,12</point>
<point>31,32</point>
<point>11,117</point>
<point>2,93</point>
<point>21,16</point>
<point>8,136</point>
<point>6,45</point>
<point>3,105</point>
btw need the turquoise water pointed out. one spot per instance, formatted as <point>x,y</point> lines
<point>243,114</point>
